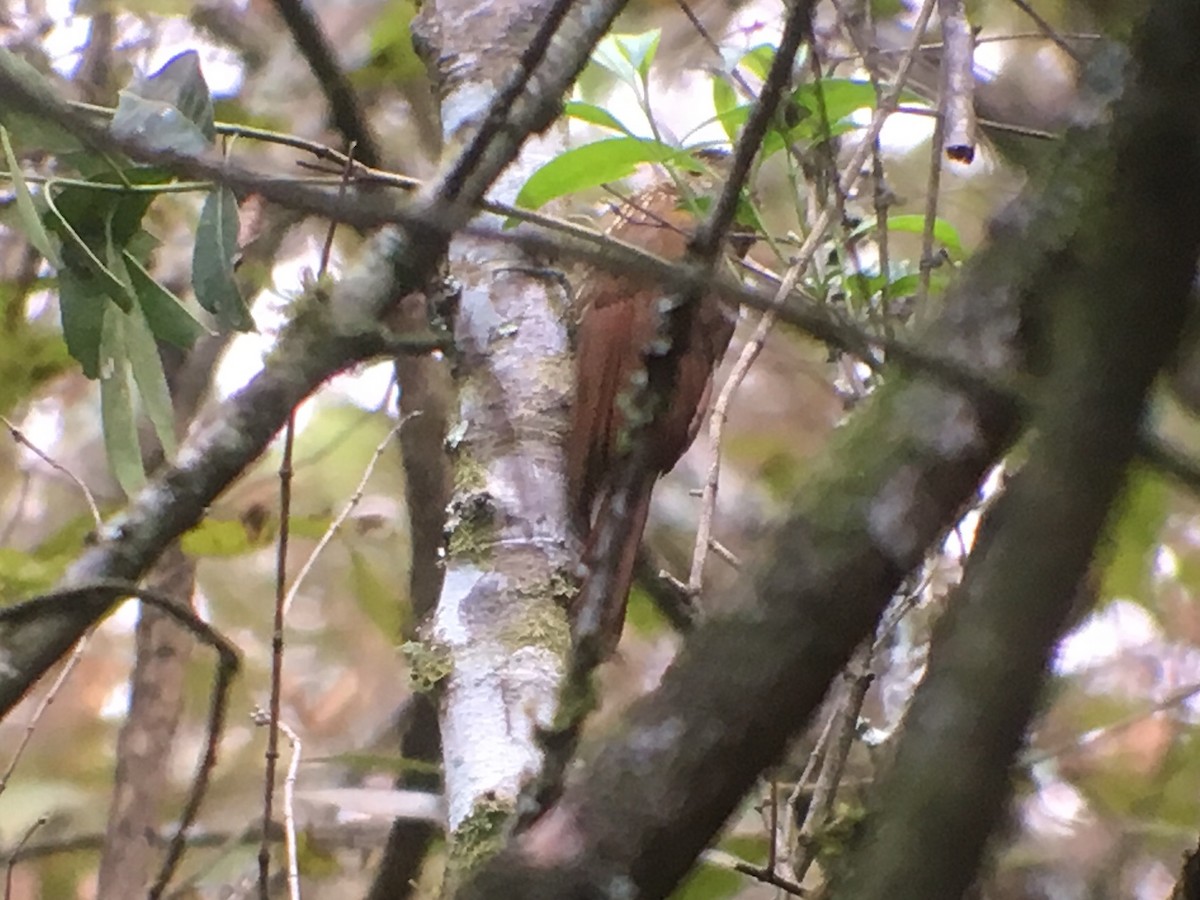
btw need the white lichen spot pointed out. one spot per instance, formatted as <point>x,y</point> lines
<point>466,104</point>
<point>448,626</point>
<point>958,433</point>
<point>890,520</point>
<point>650,741</point>
<point>456,435</point>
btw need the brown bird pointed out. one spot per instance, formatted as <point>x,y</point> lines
<point>617,324</point>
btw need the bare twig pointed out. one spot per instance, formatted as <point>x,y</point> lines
<point>716,432</point>
<point>272,754</point>
<point>20,438</point>
<point>842,729</point>
<point>1048,31</point>
<point>932,196</point>
<point>81,647</point>
<point>227,665</point>
<point>283,597</point>
<point>344,108</point>
<point>263,718</point>
<point>957,104</point>
<point>8,868</point>
<point>340,519</point>
<point>1175,698</point>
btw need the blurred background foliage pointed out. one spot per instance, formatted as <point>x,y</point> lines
<point>1110,785</point>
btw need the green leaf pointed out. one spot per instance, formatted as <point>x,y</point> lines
<point>904,286</point>
<point>156,125</point>
<point>609,54</point>
<point>709,882</point>
<point>943,232</point>
<point>106,205</point>
<point>842,97</point>
<point>97,221</point>
<point>758,60</point>
<point>591,165</point>
<point>1134,537</point>
<point>29,131</point>
<point>391,41</point>
<point>168,316</point>
<point>212,262</point>
<point>725,100</point>
<point>594,115</point>
<point>116,405</point>
<point>27,214</point>
<point>22,574</point>
<point>78,257</point>
<point>640,49</point>
<point>82,303</point>
<point>180,83</point>
<point>253,530</point>
<point>914,223</point>
<point>220,538</point>
<point>151,380</point>
<point>169,110</point>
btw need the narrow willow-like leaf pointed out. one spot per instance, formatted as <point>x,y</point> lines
<point>610,55</point>
<point>116,405</point>
<point>29,131</point>
<point>82,303</point>
<point>151,380</point>
<point>212,261</point>
<point>31,222</point>
<point>169,317</point>
<point>77,251</point>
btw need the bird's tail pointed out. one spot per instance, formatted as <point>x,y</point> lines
<point>611,614</point>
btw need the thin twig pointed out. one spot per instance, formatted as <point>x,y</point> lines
<point>227,666</point>
<point>8,869</point>
<point>932,192</point>
<point>1175,698</point>
<point>272,754</point>
<point>340,519</point>
<point>282,596</point>
<point>20,438</point>
<point>81,646</point>
<point>857,678</point>
<point>44,704</point>
<point>957,103</point>
<point>716,431</point>
<point>344,108</point>
<point>725,860</point>
<point>289,810</point>
<point>498,113</point>
<point>730,558</point>
<point>262,717</point>
<point>1048,31</point>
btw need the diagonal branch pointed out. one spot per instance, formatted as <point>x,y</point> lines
<point>344,108</point>
<point>1113,316</point>
<point>893,480</point>
<point>311,349</point>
